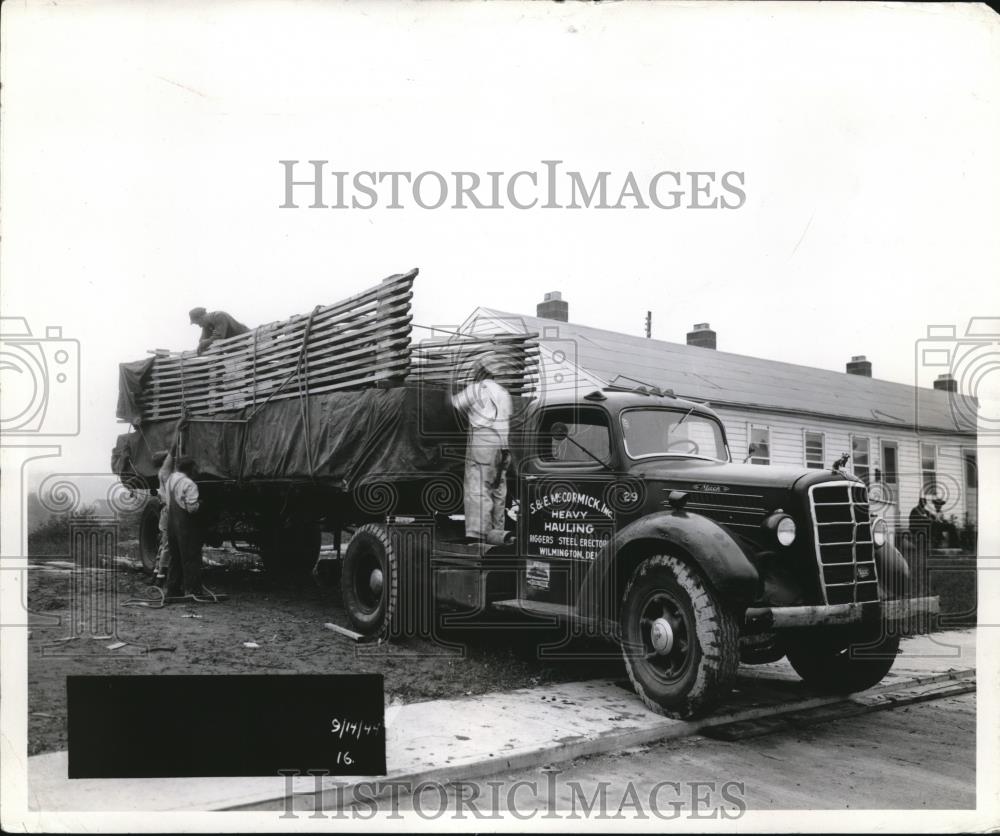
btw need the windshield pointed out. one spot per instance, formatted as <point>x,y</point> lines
<point>668,432</point>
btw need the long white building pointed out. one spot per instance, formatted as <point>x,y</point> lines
<point>904,441</point>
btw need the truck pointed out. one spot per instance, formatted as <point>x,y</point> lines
<point>628,519</point>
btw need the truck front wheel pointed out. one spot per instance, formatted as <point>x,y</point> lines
<point>680,644</point>
<point>369,581</point>
<point>838,664</point>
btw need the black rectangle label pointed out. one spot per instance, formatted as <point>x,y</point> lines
<point>217,726</point>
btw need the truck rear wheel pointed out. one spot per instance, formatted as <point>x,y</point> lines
<point>369,581</point>
<point>680,644</point>
<point>835,664</point>
<point>149,534</point>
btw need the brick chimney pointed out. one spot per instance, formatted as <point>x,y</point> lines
<point>860,365</point>
<point>946,383</point>
<point>702,336</point>
<point>553,307</point>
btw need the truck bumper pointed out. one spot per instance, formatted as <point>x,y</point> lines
<point>910,615</point>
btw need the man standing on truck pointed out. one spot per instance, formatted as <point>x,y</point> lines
<point>488,407</point>
<point>217,325</point>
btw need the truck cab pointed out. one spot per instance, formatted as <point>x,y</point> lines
<point>633,521</point>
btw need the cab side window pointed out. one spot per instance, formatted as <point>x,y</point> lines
<point>588,428</point>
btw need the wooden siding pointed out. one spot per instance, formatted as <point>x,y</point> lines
<point>788,448</point>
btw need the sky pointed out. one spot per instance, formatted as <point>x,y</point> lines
<point>141,143</point>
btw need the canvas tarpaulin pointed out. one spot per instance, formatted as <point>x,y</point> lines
<point>339,439</point>
<point>131,380</point>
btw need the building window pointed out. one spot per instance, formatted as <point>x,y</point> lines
<point>928,469</point>
<point>860,455</point>
<point>760,444</point>
<point>971,473</point>
<point>890,466</point>
<point>815,450</point>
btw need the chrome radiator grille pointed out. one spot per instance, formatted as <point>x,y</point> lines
<point>844,548</point>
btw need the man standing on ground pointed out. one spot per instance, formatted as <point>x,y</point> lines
<point>164,462</point>
<point>488,407</point>
<point>921,516</point>
<point>183,531</point>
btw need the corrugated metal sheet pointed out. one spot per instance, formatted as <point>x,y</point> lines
<point>734,379</point>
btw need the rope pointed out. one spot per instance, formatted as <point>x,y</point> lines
<point>253,367</point>
<point>444,331</point>
<point>142,435</point>
<point>156,598</point>
<point>183,399</point>
<point>303,384</point>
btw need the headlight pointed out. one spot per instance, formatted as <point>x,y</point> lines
<point>782,527</point>
<point>785,531</point>
<point>880,533</point>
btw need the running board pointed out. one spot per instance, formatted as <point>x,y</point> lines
<point>558,612</point>
<point>544,609</point>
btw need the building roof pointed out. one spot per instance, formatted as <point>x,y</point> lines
<point>726,379</point>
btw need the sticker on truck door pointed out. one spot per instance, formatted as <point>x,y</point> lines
<point>537,574</point>
<point>571,522</point>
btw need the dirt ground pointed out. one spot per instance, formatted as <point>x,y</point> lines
<point>284,618</point>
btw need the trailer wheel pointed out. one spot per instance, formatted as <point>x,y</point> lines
<point>369,581</point>
<point>834,664</point>
<point>680,644</point>
<point>149,534</point>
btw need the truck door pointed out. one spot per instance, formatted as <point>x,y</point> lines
<point>566,516</point>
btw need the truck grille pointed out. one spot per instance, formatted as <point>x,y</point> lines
<point>844,548</point>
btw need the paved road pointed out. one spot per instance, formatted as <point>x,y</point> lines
<point>913,757</point>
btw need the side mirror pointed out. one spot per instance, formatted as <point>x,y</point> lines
<point>751,449</point>
<point>559,431</point>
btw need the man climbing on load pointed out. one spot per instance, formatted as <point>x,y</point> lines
<point>487,406</point>
<point>215,325</point>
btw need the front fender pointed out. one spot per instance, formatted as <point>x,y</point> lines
<point>893,573</point>
<point>706,544</point>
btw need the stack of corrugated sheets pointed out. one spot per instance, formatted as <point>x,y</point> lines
<point>360,342</point>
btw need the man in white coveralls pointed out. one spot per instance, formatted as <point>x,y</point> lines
<point>487,404</point>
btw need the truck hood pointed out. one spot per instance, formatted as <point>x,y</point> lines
<point>698,472</point>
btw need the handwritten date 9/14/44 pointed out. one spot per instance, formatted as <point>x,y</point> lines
<point>345,727</point>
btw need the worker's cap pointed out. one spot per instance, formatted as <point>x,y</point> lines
<point>159,458</point>
<point>186,464</point>
<point>196,314</point>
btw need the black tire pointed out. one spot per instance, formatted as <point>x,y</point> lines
<point>369,581</point>
<point>689,671</point>
<point>149,534</point>
<point>291,550</point>
<point>833,663</point>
